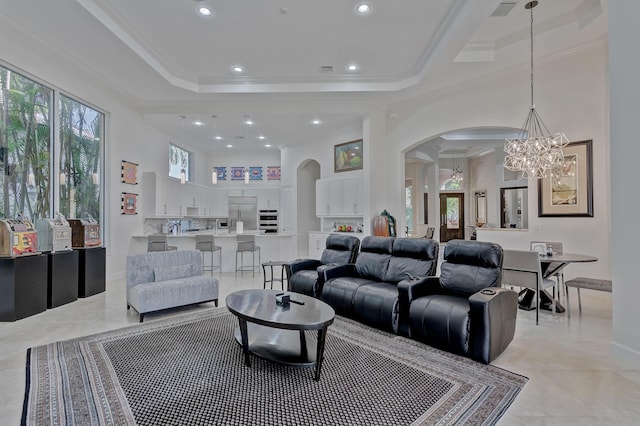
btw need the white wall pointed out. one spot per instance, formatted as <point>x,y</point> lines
<point>483,178</point>
<point>321,151</point>
<point>624,69</point>
<point>571,96</point>
<point>239,157</point>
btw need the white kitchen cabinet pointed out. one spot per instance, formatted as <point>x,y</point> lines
<point>339,197</point>
<point>352,197</point>
<point>269,199</point>
<point>336,197</point>
<point>329,197</point>
<point>219,203</point>
<point>322,197</point>
<point>317,243</point>
<point>287,212</point>
<point>359,196</point>
<point>164,196</point>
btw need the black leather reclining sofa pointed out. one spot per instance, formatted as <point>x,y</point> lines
<point>306,275</point>
<point>392,287</point>
<point>368,290</point>
<point>464,310</point>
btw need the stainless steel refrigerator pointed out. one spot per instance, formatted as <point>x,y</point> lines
<point>243,209</point>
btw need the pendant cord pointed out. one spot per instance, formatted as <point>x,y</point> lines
<point>532,104</point>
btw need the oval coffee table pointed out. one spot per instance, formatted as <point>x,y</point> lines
<point>277,332</point>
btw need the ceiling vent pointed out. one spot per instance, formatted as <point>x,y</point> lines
<point>503,9</point>
<point>326,68</point>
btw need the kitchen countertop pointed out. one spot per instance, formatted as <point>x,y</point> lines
<point>191,234</point>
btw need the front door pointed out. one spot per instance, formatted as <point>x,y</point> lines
<point>451,216</point>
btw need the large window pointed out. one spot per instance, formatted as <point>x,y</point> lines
<point>81,133</point>
<point>25,146</point>
<point>408,207</point>
<point>179,162</point>
<point>42,173</point>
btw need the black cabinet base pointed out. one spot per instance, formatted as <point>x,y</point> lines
<point>62,285</point>
<point>23,286</point>
<point>92,270</point>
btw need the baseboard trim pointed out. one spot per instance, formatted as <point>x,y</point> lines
<point>626,354</point>
<point>116,276</point>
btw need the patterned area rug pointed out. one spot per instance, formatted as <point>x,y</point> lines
<point>189,370</point>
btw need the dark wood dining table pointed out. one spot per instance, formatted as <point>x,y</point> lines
<point>552,265</point>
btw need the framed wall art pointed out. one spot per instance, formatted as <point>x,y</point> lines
<point>222,173</point>
<point>129,173</point>
<point>273,173</point>
<point>569,191</point>
<point>347,156</point>
<point>237,173</point>
<point>129,203</point>
<point>255,173</point>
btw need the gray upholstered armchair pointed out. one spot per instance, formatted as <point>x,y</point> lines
<point>305,275</point>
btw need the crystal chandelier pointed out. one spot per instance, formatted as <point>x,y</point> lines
<point>535,152</point>
<point>457,175</point>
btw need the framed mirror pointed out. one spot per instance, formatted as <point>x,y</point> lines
<point>514,208</point>
<point>480,198</point>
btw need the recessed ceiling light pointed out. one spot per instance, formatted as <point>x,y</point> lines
<point>352,67</point>
<point>267,145</point>
<point>261,137</point>
<point>229,146</point>
<point>219,138</point>
<point>198,123</point>
<point>316,121</point>
<point>363,8</point>
<point>237,69</point>
<point>249,122</point>
<point>205,11</point>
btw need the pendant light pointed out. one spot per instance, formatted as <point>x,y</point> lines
<point>457,175</point>
<point>535,152</point>
<point>183,172</point>
<point>214,171</point>
<point>248,123</point>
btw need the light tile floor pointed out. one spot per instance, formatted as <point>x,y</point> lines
<point>573,380</point>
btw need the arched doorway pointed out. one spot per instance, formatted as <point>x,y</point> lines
<point>446,204</point>
<point>306,175</point>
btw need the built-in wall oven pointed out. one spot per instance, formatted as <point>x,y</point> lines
<point>268,221</point>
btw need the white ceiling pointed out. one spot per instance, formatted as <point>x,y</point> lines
<point>168,61</point>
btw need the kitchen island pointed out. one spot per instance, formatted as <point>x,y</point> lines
<point>274,246</point>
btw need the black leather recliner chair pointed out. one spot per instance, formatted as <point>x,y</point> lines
<point>368,290</point>
<point>464,310</point>
<point>305,275</point>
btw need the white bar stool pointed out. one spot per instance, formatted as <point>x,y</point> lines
<point>247,244</point>
<point>207,243</point>
<point>158,243</point>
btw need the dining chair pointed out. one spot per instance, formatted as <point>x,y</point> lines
<point>556,248</point>
<point>207,244</point>
<point>158,243</point>
<point>430,231</point>
<point>247,244</point>
<point>522,269</point>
